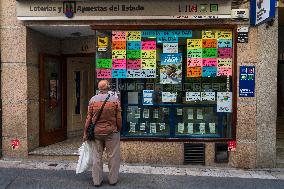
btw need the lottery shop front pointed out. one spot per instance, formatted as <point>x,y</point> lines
<point>173,83</point>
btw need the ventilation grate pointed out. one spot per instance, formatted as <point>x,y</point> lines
<point>194,153</point>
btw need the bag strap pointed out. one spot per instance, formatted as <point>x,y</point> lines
<point>101,109</point>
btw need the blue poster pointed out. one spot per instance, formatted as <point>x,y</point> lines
<point>119,73</point>
<point>261,11</point>
<point>247,81</point>
<point>169,58</point>
<point>148,97</point>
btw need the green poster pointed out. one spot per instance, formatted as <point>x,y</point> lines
<point>104,63</point>
<point>133,54</point>
<point>209,53</point>
<point>194,53</point>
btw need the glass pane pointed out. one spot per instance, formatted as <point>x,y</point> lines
<point>193,79</point>
<point>52,94</point>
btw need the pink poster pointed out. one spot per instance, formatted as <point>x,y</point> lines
<point>225,52</point>
<point>118,36</point>
<point>118,63</point>
<point>209,62</point>
<point>192,62</point>
<point>103,73</point>
<point>148,45</point>
<point>134,64</point>
<point>224,71</point>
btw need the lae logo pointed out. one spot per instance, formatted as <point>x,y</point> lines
<point>69,8</point>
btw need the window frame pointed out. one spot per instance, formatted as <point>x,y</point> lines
<point>233,27</point>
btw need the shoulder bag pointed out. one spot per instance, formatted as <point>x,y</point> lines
<point>91,128</point>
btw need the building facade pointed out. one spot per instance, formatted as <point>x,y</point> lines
<point>176,67</point>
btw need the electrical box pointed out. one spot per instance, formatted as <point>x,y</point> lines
<point>240,14</point>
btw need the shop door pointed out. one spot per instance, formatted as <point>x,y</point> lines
<point>52,100</point>
<point>80,88</point>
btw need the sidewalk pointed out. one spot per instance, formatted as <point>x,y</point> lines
<point>275,173</point>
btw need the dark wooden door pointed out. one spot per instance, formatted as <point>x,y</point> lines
<point>52,103</point>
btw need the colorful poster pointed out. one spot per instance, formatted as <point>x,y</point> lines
<point>133,64</point>
<point>225,43</point>
<point>141,73</point>
<point>209,43</point>
<point>148,97</point>
<point>119,73</point>
<point>209,62</point>
<point>207,96</point>
<point>224,34</point>
<point>169,97</point>
<point>103,73</point>
<point>227,62</point>
<point>148,54</point>
<point>190,128</point>
<point>247,81</point>
<point>224,102</point>
<point>182,33</point>
<point>148,33</point>
<point>194,53</point>
<point>103,63</point>
<point>133,35</point>
<point>133,54</point>
<point>192,62</point>
<point>148,63</point>
<point>167,58</point>
<point>171,71</point>
<point>133,45</point>
<point>180,128</point>
<point>148,45</point>
<point>118,36</point>
<point>208,34</point>
<point>118,54</point>
<point>194,44</point>
<point>224,71</point>
<point>209,71</point>
<point>170,47</point>
<point>193,96</point>
<point>166,36</point>
<point>209,53</point>
<point>118,63</point>
<point>194,71</point>
<point>119,45</point>
<point>225,52</point>
<point>102,42</point>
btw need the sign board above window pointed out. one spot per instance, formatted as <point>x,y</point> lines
<point>123,10</point>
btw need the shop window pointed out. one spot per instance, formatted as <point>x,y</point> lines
<point>187,75</point>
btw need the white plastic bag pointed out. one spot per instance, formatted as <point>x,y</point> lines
<point>85,157</point>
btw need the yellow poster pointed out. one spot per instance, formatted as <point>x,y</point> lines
<point>148,54</point>
<point>118,54</point>
<point>224,34</point>
<point>208,34</point>
<point>102,42</point>
<point>133,36</point>
<point>194,43</point>
<point>148,63</point>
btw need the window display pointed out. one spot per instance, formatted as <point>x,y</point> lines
<point>173,83</point>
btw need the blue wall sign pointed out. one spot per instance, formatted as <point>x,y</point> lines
<point>247,81</point>
<point>262,11</point>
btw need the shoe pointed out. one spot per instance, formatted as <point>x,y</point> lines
<point>99,184</point>
<point>113,184</point>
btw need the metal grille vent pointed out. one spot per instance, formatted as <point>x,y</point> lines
<point>194,153</point>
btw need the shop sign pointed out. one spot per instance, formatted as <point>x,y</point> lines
<point>243,34</point>
<point>262,11</point>
<point>247,81</point>
<point>124,9</point>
